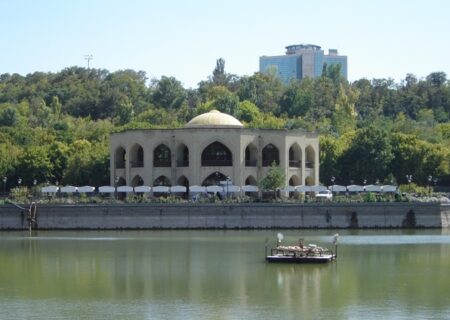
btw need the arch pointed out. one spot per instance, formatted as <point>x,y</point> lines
<point>137,181</point>
<point>217,154</point>
<point>310,157</point>
<point>270,154</point>
<point>183,181</point>
<point>295,180</point>
<point>162,181</point>
<point>251,155</point>
<point>295,156</point>
<point>119,158</point>
<point>137,156</point>
<point>182,156</point>
<point>251,181</point>
<point>309,181</point>
<point>121,182</point>
<point>214,179</point>
<point>162,156</point>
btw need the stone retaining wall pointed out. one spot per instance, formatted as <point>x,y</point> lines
<point>235,216</point>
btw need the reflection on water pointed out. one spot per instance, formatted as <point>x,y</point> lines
<point>221,275</point>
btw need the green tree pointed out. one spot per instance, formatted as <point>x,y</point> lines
<point>168,93</point>
<point>8,117</point>
<point>274,179</point>
<point>368,157</point>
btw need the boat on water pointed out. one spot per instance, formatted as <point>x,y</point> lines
<point>301,253</point>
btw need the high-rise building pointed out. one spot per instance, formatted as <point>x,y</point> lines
<point>302,60</point>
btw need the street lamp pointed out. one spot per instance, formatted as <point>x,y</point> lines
<point>409,179</point>
<point>332,183</point>
<point>430,178</point>
<point>4,184</point>
<point>19,181</point>
<point>34,186</point>
<point>116,182</point>
<point>228,182</point>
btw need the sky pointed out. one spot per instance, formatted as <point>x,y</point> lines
<point>183,39</point>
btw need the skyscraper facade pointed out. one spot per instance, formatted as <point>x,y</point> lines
<point>301,61</point>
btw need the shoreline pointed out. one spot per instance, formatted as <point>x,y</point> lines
<point>229,216</point>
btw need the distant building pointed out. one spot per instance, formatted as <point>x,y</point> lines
<point>301,61</point>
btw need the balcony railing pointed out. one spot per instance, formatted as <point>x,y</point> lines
<point>137,164</point>
<point>216,163</point>
<point>182,163</point>
<point>161,163</point>
<point>268,163</point>
<point>309,165</point>
<point>120,165</point>
<point>295,163</point>
<point>250,163</point>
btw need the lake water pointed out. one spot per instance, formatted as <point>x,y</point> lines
<point>222,275</point>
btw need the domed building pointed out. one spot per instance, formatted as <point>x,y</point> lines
<point>212,147</point>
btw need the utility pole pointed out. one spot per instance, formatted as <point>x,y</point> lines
<point>88,57</point>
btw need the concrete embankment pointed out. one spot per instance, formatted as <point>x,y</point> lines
<point>231,216</point>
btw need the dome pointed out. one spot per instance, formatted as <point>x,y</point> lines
<point>214,118</point>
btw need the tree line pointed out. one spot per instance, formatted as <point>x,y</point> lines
<point>55,126</point>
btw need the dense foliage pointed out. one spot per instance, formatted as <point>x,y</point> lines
<point>56,126</point>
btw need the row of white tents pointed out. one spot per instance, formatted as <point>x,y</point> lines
<point>343,189</point>
<point>220,189</point>
<point>147,189</point>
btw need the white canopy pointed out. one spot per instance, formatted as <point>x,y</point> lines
<point>127,189</point>
<point>142,189</point>
<point>49,189</point>
<point>232,188</point>
<point>197,189</point>
<point>178,189</point>
<point>214,189</point>
<point>355,188</point>
<point>389,188</point>
<point>250,188</point>
<point>303,188</point>
<point>106,189</point>
<point>86,189</point>
<point>163,189</point>
<point>373,188</point>
<point>69,189</point>
<point>288,189</point>
<point>318,188</point>
<point>338,188</point>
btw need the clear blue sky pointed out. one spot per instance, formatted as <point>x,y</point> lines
<point>382,38</point>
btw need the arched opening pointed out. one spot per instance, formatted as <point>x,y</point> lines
<point>214,179</point>
<point>137,181</point>
<point>137,156</point>
<point>161,156</point>
<point>310,156</point>
<point>295,156</point>
<point>121,182</point>
<point>251,155</point>
<point>217,155</point>
<point>162,181</point>
<point>309,181</point>
<point>251,181</point>
<point>182,156</point>
<point>119,157</point>
<point>270,154</point>
<point>295,181</point>
<point>183,181</point>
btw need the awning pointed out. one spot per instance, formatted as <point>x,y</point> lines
<point>142,189</point>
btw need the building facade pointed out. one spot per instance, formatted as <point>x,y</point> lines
<point>301,61</point>
<point>212,147</point>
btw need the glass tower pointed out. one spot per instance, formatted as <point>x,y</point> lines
<point>300,61</point>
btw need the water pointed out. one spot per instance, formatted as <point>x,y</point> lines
<point>221,275</point>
